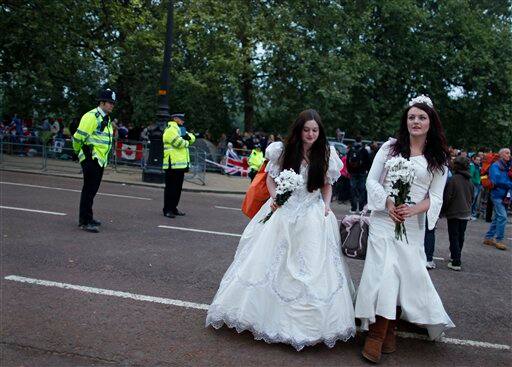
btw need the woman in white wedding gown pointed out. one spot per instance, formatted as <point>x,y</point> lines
<point>288,282</point>
<point>395,282</point>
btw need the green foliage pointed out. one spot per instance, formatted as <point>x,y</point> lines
<point>356,62</point>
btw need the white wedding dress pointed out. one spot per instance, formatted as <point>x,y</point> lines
<point>395,272</point>
<point>288,282</point>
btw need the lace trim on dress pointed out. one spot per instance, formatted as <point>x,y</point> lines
<point>218,317</point>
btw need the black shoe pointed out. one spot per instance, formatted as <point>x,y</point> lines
<point>169,215</point>
<point>178,213</point>
<point>89,228</point>
<point>95,222</point>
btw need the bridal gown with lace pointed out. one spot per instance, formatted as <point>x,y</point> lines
<point>288,282</point>
<point>395,272</point>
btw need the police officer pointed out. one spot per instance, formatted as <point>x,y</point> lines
<point>176,162</point>
<point>256,159</point>
<point>92,142</point>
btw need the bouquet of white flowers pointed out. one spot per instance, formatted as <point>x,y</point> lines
<point>287,182</point>
<point>401,175</point>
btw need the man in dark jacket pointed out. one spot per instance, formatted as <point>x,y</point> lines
<point>358,165</point>
<point>457,200</point>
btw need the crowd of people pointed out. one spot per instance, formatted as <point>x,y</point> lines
<point>17,129</point>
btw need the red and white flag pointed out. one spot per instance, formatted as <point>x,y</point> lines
<point>130,152</point>
<point>234,166</point>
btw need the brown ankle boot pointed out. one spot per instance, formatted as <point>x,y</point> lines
<point>389,345</point>
<point>373,343</point>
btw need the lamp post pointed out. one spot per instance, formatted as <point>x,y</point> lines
<point>152,172</point>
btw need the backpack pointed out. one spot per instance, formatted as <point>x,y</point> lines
<point>354,235</point>
<point>488,160</point>
<point>355,157</point>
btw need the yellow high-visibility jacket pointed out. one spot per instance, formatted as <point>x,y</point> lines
<point>176,154</point>
<point>89,133</point>
<point>256,159</point>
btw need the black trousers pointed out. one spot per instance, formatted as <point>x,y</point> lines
<point>93,173</point>
<point>456,233</point>
<point>429,242</point>
<point>172,192</point>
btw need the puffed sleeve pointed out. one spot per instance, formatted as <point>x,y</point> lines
<point>376,194</point>
<point>435,193</point>
<point>334,168</point>
<point>273,154</point>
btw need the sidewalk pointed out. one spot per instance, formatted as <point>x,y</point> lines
<point>215,182</point>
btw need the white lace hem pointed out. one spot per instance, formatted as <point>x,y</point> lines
<point>221,318</point>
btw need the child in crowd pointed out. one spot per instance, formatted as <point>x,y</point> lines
<point>457,200</point>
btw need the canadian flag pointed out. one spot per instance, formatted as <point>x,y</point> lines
<point>130,152</point>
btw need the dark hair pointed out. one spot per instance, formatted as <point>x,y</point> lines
<point>318,156</point>
<point>436,149</point>
<point>460,164</point>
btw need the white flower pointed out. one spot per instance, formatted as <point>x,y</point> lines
<point>422,99</point>
<point>399,170</point>
<point>288,181</point>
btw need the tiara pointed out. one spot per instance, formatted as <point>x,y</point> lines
<point>422,99</point>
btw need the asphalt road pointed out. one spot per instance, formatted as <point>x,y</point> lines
<point>51,324</point>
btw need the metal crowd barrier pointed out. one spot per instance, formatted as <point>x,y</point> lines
<point>57,156</point>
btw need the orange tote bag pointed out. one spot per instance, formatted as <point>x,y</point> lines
<point>257,194</point>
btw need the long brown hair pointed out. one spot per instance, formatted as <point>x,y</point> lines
<point>318,155</point>
<point>436,149</point>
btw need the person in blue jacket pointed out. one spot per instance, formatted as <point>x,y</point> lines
<point>501,191</point>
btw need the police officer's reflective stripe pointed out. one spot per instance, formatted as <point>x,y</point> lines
<point>179,165</point>
<point>180,144</point>
<point>98,141</point>
<point>83,133</point>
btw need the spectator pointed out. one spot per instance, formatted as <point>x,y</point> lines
<point>236,139</point>
<point>502,185</point>
<point>429,243</point>
<point>340,135</point>
<point>46,125</point>
<point>122,131</point>
<point>342,187</point>
<point>230,152</point>
<point>358,164</point>
<point>144,135</point>
<point>222,146</point>
<point>247,141</point>
<point>18,125</point>
<point>474,170</point>
<point>134,132</point>
<point>457,199</point>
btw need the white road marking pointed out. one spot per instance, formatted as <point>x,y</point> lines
<point>464,342</point>
<point>203,306</point>
<point>31,210</point>
<point>108,292</point>
<point>200,231</point>
<point>227,207</point>
<point>438,258</point>
<point>73,190</point>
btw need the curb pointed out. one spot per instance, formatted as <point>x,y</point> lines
<point>130,183</point>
